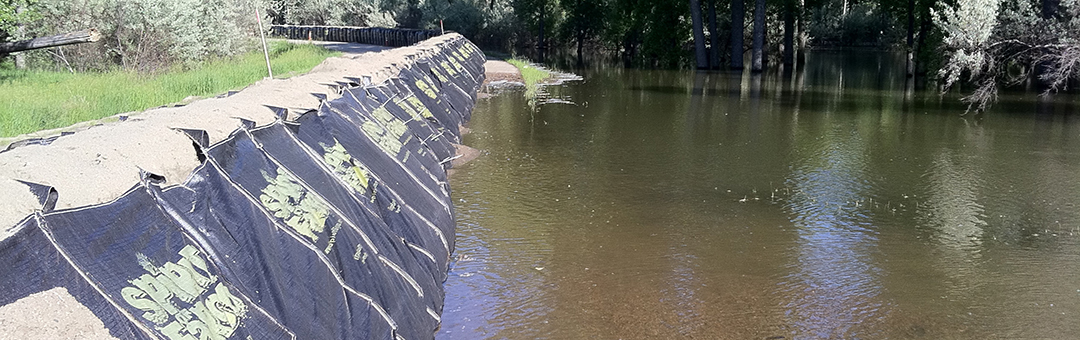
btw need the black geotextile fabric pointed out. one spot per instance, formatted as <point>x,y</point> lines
<point>336,226</point>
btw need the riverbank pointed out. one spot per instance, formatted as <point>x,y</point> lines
<point>39,100</point>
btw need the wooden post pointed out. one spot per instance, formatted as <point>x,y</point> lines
<point>266,52</point>
<point>84,36</point>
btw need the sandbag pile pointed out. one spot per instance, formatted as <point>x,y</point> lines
<point>336,225</point>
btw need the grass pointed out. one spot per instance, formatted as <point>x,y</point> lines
<point>533,77</point>
<point>39,100</point>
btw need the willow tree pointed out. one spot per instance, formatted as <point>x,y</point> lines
<point>995,43</point>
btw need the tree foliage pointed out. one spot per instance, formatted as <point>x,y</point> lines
<point>995,43</point>
<point>331,12</point>
<point>11,16</point>
<point>584,18</point>
<point>143,35</point>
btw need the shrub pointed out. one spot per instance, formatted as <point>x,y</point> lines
<point>144,35</point>
<point>331,12</point>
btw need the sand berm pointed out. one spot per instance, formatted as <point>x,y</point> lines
<point>101,160</point>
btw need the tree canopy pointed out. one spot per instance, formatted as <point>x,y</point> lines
<point>982,45</point>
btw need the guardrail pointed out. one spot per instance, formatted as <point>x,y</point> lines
<point>394,37</point>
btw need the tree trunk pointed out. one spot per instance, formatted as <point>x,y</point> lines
<point>911,38</point>
<point>90,35</point>
<point>540,46</point>
<point>580,30</point>
<point>738,18</point>
<point>803,35</point>
<point>714,35</point>
<point>20,33</point>
<point>580,42</point>
<point>699,35</point>
<point>789,33</point>
<point>757,57</point>
<point>920,45</point>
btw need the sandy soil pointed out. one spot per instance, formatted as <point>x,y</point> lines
<point>496,70</point>
<point>51,314</point>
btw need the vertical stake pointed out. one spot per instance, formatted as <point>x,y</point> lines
<point>266,52</point>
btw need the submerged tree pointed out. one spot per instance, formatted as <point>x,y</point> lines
<point>738,19</point>
<point>714,36</point>
<point>701,56</point>
<point>584,20</point>
<point>994,43</point>
<point>757,55</point>
<point>789,32</point>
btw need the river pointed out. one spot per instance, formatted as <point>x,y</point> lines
<point>831,204</point>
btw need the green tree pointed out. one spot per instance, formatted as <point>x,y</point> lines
<point>584,21</point>
<point>331,12</point>
<point>650,33</point>
<point>540,16</point>
<point>666,33</point>
<point>995,43</point>
<point>14,13</point>
<point>9,17</point>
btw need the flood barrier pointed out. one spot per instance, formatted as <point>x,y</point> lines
<point>394,37</point>
<point>337,225</point>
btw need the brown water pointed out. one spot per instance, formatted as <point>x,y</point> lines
<point>828,205</point>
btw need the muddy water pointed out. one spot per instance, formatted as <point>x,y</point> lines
<point>830,204</point>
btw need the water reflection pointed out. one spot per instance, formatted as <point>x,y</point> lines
<point>714,205</point>
<point>832,287</point>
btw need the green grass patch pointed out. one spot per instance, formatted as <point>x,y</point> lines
<point>39,100</point>
<point>531,74</point>
<point>533,77</point>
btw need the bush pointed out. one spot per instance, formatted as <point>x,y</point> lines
<point>144,35</point>
<point>331,12</point>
